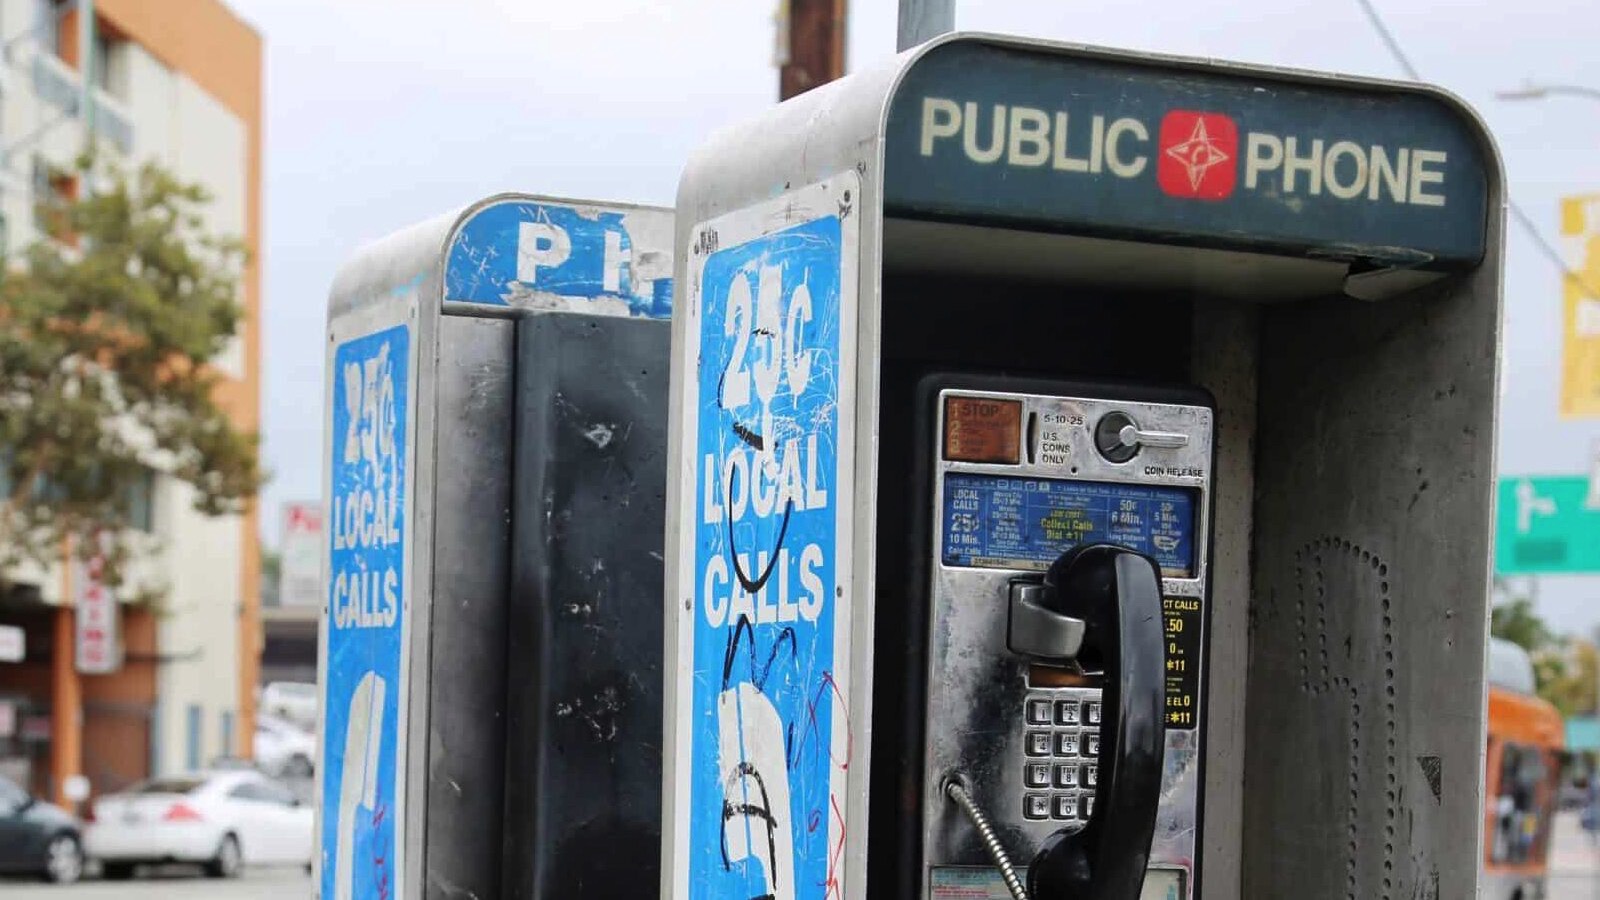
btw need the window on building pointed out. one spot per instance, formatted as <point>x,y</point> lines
<point>192,738</point>
<point>54,190</point>
<point>227,732</point>
<point>139,501</point>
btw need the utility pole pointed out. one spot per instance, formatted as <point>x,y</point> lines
<point>923,20</point>
<point>810,44</point>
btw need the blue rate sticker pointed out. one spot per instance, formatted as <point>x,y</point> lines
<point>1027,522</point>
<point>361,699</point>
<point>766,712</point>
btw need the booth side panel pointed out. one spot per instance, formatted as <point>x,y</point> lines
<point>466,692</point>
<point>378,483</point>
<point>583,752</point>
<point>1226,341</point>
<point>1366,694</point>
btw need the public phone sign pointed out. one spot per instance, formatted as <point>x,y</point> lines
<point>766,619</point>
<point>1115,150</point>
<point>364,622</point>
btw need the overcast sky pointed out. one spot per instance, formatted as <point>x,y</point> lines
<point>384,112</point>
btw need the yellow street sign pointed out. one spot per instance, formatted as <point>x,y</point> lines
<point>1580,291</point>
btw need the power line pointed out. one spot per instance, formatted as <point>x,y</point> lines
<point>1548,249</point>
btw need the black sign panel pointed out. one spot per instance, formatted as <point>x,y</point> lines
<point>1035,139</point>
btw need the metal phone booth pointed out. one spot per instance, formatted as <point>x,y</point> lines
<point>496,389</point>
<point>1083,466</point>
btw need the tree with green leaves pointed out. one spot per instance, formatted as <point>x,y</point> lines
<point>108,329</point>
<point>1516,621</point>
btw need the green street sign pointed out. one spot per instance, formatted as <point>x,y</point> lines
<point>1546,524</point>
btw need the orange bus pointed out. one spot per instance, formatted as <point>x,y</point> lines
<point>1523,767</point>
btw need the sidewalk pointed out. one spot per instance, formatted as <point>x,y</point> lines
<point>1574,861</point>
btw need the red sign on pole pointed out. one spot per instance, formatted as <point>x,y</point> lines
<point>300,555</point>
<point>99,649</point>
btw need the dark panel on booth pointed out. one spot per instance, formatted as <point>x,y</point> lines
<point>583,754</point>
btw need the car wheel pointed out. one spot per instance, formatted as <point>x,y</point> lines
<point>116,871</point>
<point>297,767</point>
<point>63,860</point>
<point>228,862</point>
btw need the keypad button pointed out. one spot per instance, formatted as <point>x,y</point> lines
<point>1067,743</point>
<point>1091,776</point>
<point>1066,712</point>
<point>1038,743</point>
<point>1038,712</point>
<point>1066,806</point>
<point>1036,775</point>
<point>1086,808</point>
<point>1036,806</point>
<point>1066,775</point>
<point>1092,712</point>
<point>1091,744</point>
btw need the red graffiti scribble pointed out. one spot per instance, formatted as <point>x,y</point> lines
<point>835,885</point>
<point>377,815</point>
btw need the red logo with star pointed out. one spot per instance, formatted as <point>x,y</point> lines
<point>1198,155</point>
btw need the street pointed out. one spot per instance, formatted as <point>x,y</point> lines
<point>175,883</point>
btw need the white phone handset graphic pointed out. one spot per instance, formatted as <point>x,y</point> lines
<point>755,786</point>
<point>358,782</point>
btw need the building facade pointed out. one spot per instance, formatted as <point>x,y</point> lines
<point>177,82</point>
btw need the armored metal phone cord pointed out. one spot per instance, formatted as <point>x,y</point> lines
<point>991,841</point>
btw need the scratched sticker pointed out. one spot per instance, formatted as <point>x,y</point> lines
<point>364,627</point>
<point>537,254</point>
<point>768,727</point>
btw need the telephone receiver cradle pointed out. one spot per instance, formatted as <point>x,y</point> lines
<point>1099,606</point>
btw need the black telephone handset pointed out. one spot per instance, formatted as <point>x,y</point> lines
<point>1116,593</point>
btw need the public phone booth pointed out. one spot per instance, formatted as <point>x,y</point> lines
<point>490,647</point>
<point>1081,467</point>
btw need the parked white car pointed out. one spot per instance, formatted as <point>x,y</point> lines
<point>283,749</point>
<point>292,700</point>
<point>222,820</point>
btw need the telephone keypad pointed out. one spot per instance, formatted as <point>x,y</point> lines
<point>1063,757</point>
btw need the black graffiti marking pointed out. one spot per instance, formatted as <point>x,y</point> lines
<point>751,586</point>
<point>762,811</point>
<point>749,435</point>
<point>745,433</point>
<point>758,674</point>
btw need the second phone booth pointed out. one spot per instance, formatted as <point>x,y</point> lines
<point>1081,467</point>
<point>490,646</point>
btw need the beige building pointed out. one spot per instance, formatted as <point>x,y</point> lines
<point>179,82</point>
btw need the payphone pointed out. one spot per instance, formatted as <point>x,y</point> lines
<point>1066,594</point>
<point>1080,474</point>
<point>486,369</point>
